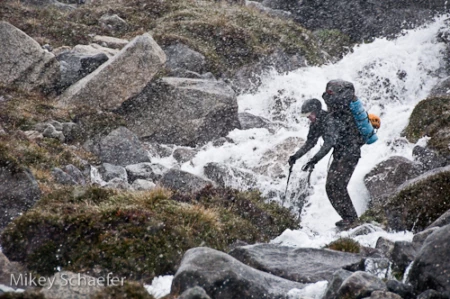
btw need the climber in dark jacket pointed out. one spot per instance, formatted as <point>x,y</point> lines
<point>340,133</point>
<point>312,109</point>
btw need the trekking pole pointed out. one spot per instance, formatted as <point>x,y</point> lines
<point>287,184</point>
<point>309,176</point>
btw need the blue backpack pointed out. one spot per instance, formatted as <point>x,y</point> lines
<point>363,122</point>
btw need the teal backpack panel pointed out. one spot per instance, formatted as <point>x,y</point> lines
<point>362,122</point>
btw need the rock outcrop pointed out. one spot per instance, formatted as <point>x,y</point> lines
<point>223,277</point>
<point>305,265</point>
<point>430,268</point>
<point>121,77</point>
<point>24,63</point>
<point>19,191</point>
<point>383,181</point>
<point>420,201</point>
<point>182,111</point>
<point>120,147</point>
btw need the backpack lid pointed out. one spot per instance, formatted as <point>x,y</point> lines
<point>339,94</point>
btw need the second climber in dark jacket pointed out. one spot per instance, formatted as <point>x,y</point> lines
<point>338,129</point>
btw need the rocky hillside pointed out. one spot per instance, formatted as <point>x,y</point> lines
<point>92,92</point>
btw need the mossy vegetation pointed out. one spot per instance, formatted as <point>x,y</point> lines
<point>374,215</point>
<point>418,205</point>
<point>21,110</point>
<point>431,117</point>
<point>228,35</point>
<point>334,42</point>
<point>137,235</point>
<point>345,245</point>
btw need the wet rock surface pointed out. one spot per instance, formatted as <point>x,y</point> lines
<point>19,191</point>
<point>182,111</point>
<point>305,265</point>
<point>430,268</point>
<point>223,277</point>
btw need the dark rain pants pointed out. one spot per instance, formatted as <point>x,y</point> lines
<point>338,177</point>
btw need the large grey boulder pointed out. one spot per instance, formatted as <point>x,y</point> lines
<point>182,111</point>
<point>69,285</point>
<point>183,181</point>
<point>223,277</point>
<point>183,57</point>
<point>333,286</point>
<point>430,269</point>
<point>19,191</point>
<point>75,66</point>
<point>359,285</point>
<point>121,77</point>
<point>120,147</point>
<point>306,265</point>
<point>387,176</point>
<point>24,63</point>
<point>420,201</point>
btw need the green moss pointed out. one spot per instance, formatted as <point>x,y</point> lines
<point>345,245</point>
<point>231,37</point>
<point>7,160</point>
<point>93,123</point>
<point>374,215</point>
<point>417,206</point>
<point>128,290</point>
<point>136,235</point>
<point>431,117</point>
<point>334,42</point>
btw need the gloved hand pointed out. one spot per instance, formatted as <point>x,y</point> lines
<point>309,166</point>
<point>292,160</point>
